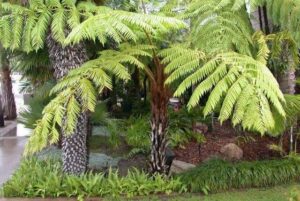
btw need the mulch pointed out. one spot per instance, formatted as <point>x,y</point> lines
<point>220,135</point>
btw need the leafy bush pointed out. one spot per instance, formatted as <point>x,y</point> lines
<point>36,178</point>
<point>216,175</point>
<point>29,115</point>
<point>179,130</point>
<point>138,131</point>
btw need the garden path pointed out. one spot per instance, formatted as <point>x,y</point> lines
<point>12,137</point>
<point>11,149</point>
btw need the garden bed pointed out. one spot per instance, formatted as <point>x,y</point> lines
<point>256,148</point>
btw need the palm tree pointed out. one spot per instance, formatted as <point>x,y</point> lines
<point>8,97</point>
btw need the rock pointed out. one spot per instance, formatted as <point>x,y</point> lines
<point>99,161</point>
<point>199,127</point>
<point>180,166</point>
<point>138,162</point>
<point>100,130</point>
<point>231,152</point>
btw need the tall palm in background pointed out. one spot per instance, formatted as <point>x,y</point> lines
<point>8,98</point>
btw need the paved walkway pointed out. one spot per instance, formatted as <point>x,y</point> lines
<point>11,149</point>
<point>12,142</point>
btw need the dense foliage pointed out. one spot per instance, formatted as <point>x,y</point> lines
<point>217,175</point>
<point>36,178</point>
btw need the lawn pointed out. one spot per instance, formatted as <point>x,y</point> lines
<point>278,193</point>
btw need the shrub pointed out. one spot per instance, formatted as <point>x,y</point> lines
<point>216,175</point>
<point>138,132</point>
<point>36,178</point>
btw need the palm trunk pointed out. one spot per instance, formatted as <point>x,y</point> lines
<point>159,122</point>
<point>8,97</point>
<point>74,146</point>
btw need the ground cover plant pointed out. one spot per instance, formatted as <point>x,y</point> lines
<point>36,178</point>
<point>217,175</point>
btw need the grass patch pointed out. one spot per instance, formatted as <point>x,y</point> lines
<point>278,193</point>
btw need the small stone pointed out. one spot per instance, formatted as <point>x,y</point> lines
<point>180,166</point>
<point>199,127</point>
<point>231,152</point>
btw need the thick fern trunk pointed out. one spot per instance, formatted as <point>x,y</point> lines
<point>287,81</point>
<point>8,98</point>
<point>159,122</point>
<point>74,146</point>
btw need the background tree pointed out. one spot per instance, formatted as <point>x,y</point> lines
<point>8,98</point>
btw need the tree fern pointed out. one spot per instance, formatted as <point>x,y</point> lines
<point>78,92</point>
<point>215,26</point>
<point>30,25</point>
<point>243,85</point>
<point>284,13</point>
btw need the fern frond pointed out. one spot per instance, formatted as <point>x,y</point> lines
<point>77,92</point>
<point>243,86</point>
<point>115,24</point>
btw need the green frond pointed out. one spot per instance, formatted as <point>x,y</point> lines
<point>6,36</point>
<point>224,21</point>
<point>58,24</point>
<point>39,31</point>
<point>17,32</point>
<point>72,112</point>
<point>242,86</point>
<point>77,92</point>
<point>116,25</point>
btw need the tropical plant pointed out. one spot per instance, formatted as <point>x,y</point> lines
<point>137,133</point>
<point>34,67</point>
<point>36,103</point>
<point>232,69</point>
<point>48,23</point>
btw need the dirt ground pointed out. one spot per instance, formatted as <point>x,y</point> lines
<point>254,146</point>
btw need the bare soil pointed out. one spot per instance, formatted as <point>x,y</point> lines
<point>255,148</point>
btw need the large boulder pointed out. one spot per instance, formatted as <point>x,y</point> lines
<point>231,152</point>
<point>180,166</point>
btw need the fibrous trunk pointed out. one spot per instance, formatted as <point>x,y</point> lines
<point>8,98</point>
<point>159,122</point>
<point>287,80</point>
<point>74,146</point>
